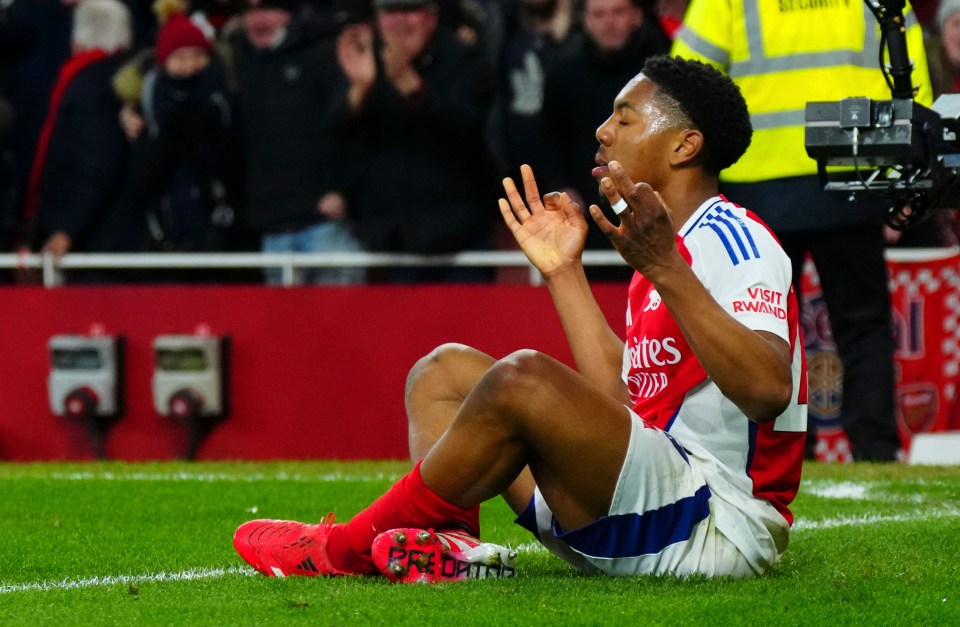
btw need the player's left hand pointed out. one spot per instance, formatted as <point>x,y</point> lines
<point>646,237</point>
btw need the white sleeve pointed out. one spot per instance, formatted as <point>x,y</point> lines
<point>752,286</point>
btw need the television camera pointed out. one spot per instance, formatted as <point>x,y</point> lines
<point>895,148</point>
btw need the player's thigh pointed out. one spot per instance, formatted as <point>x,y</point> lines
<point>577,435</point>
<point>658,520</point>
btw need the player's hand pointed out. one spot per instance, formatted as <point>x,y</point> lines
<point>551,232</point>
<point>646,237</point>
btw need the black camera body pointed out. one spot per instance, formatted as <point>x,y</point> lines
<point>895,148</point>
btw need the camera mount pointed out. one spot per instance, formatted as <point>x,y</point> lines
<point>895,148</point>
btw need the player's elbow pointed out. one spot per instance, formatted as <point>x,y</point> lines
<point>771,400</point>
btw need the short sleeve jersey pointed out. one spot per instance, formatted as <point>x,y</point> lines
<point>744,268</point>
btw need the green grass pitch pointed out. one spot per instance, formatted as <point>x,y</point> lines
<point>149,544</point>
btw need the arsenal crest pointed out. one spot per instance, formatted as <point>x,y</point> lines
<point>917,407</point>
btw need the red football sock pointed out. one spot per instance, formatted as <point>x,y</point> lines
<point>408,503</point>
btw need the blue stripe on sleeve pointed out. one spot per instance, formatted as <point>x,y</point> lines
<point>724,239</point>
<point>745,230</point>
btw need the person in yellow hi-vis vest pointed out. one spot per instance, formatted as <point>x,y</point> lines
<point>782,54</point>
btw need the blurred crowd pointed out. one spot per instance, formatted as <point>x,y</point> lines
<point>303,125</point>
<point>316,125</point>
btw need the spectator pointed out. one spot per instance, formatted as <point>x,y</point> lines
<point>34,44</point>
<point>288,77</point>
<point>78,183</point>
<point>8,176</point>
<point>331,15</point>
<point>186,168</point>
<point>418,97</point>
<point>217,13</point>
<point>670,13</point>
<point>616,40</point>
<point>535,33</point>
<point>777,179</point>
<point>942,47</point>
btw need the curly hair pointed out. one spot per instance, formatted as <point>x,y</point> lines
<point>710,101</point>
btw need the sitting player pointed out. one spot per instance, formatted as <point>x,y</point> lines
<point>677,452</point>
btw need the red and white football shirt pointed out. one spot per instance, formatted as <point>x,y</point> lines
<point>752,466</point>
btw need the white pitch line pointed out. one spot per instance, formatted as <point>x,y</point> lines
<point>871,519</point>
<point>70,584</point>
<point>840,490</point>
<point>212,477</point>
<point>213,573</point>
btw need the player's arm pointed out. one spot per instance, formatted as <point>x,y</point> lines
<point>552,233</point>
<point>751,368</point>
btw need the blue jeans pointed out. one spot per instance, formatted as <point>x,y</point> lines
<point>320,238</point>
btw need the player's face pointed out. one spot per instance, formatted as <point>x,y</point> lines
<point>637,135</point>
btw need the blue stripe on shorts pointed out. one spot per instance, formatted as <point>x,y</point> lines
<point>632,535</point>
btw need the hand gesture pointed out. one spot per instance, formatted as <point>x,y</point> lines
<point>399,52</point>
<point>355,54</point>
<point>646,237</point>
<point>551,232</point>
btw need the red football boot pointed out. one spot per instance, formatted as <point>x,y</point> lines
<point>284,548</point>
<point>422,556</point>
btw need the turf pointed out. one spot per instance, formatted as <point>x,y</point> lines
<point>149,544</point>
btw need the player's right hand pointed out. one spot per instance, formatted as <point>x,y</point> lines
<point>551,232</point>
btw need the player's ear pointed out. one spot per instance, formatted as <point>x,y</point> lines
<point>688,146</point>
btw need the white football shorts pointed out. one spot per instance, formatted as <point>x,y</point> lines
<point>662,520</point>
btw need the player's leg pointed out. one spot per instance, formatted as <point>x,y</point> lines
<point>436,388</point>
<point>530,409</point>
<point>525,409</point>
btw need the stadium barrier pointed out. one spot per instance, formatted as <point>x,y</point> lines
<point>318,372</point>
<point>52,269</point>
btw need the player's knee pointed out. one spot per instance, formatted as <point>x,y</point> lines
<point>435,365</point>
<point>517,379</point>
<point>528,362</point>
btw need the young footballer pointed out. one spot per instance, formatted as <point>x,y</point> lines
<point>676,451</point>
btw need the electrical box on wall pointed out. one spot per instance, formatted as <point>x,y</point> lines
<point>86,382</point>
<point>190,382</point>
<point>189,375</point>
<point>85,375</point>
